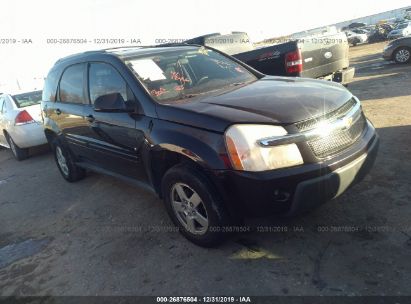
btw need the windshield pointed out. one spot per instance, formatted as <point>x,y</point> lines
<point>27,99</point>
<point>174,75</point>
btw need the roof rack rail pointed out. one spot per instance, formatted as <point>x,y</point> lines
<point>148,46</point>
<point>127,47</point>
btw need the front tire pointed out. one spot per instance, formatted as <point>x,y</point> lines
<point>194,206</point>
<point>65,162</point>
<point>402,55</point>
<point>18,153</point>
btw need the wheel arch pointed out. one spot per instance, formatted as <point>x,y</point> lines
<point>398,48</point>
<point>172,144</point>
<point>50,135</point>
<point>164,158</point>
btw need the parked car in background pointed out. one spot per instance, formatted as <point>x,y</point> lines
<point>380,32</point>
<point>216,139</point>
<point>356,38</point>
<point>398,50</point>
<point>362,30</point>
<point>402,30</point>
<point>354,25</point>
<point>21,122</point>
<point>321,55</point>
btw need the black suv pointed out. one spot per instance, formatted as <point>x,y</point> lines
<point>217,140</point>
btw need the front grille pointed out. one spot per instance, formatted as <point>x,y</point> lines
<point>337,141</point>
<point>313,122</point>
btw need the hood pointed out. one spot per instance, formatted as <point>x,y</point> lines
<point>403,40</point>
<point>270,100</point>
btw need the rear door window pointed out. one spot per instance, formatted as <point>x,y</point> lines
<point>50,86</point>
<point>72,85</point>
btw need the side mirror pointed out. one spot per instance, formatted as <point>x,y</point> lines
<point>112,102</point>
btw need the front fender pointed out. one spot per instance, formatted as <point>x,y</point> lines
<point>206,148</point>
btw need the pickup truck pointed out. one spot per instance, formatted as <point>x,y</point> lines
<point>214,138</point>
<point>323,56</point>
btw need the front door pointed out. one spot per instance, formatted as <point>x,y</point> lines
<point>116,137</point>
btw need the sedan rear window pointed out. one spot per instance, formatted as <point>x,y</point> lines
<point>27,99</point>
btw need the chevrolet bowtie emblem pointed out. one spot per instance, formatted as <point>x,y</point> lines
<point>348,122</point>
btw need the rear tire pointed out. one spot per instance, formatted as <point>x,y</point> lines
<point>195,206</point>
<point>402,55</point>
<point>65,162</point>
<point>18,153</point>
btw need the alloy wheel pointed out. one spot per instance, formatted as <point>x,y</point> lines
<point>403,55</point>
<point>189,209</point>
<point>62,162</point>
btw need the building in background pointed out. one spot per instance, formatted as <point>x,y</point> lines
<point>388,16</point>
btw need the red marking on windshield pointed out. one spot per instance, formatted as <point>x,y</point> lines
<point>238,69</point>
<point>158,92</point>
<point>179,88</point>
<point>178,77</point>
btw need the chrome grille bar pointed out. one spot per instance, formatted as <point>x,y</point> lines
<point>342,123</point>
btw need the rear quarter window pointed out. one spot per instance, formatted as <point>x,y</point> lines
<point>50,86</point>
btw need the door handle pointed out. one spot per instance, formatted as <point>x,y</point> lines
<point>57,111</point>
<point>90,118</point>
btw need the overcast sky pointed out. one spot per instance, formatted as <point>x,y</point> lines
<point>154,19</point>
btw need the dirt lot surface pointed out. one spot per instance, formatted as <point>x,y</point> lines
<point>101,236</point>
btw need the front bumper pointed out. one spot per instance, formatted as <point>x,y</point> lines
<point>345,76</point>
<point>296,190</point>
<point>387,53</point>
<point>317,191</point>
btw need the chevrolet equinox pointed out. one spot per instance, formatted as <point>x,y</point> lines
<point>215,139</point>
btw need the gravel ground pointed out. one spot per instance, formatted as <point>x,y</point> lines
<point>104,237</point>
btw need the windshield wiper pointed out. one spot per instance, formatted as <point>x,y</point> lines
<point>237,83</point>
<point>186,96</point>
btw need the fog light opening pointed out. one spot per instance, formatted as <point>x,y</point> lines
<point>281,196</point>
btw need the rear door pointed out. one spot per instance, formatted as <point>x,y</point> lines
<point>115,138</point>
<point>68,110</point>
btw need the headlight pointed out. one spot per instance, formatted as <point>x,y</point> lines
<point>247,155</point>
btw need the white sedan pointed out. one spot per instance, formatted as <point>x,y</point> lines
<point>21,123</point>
<point>356,38</point>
